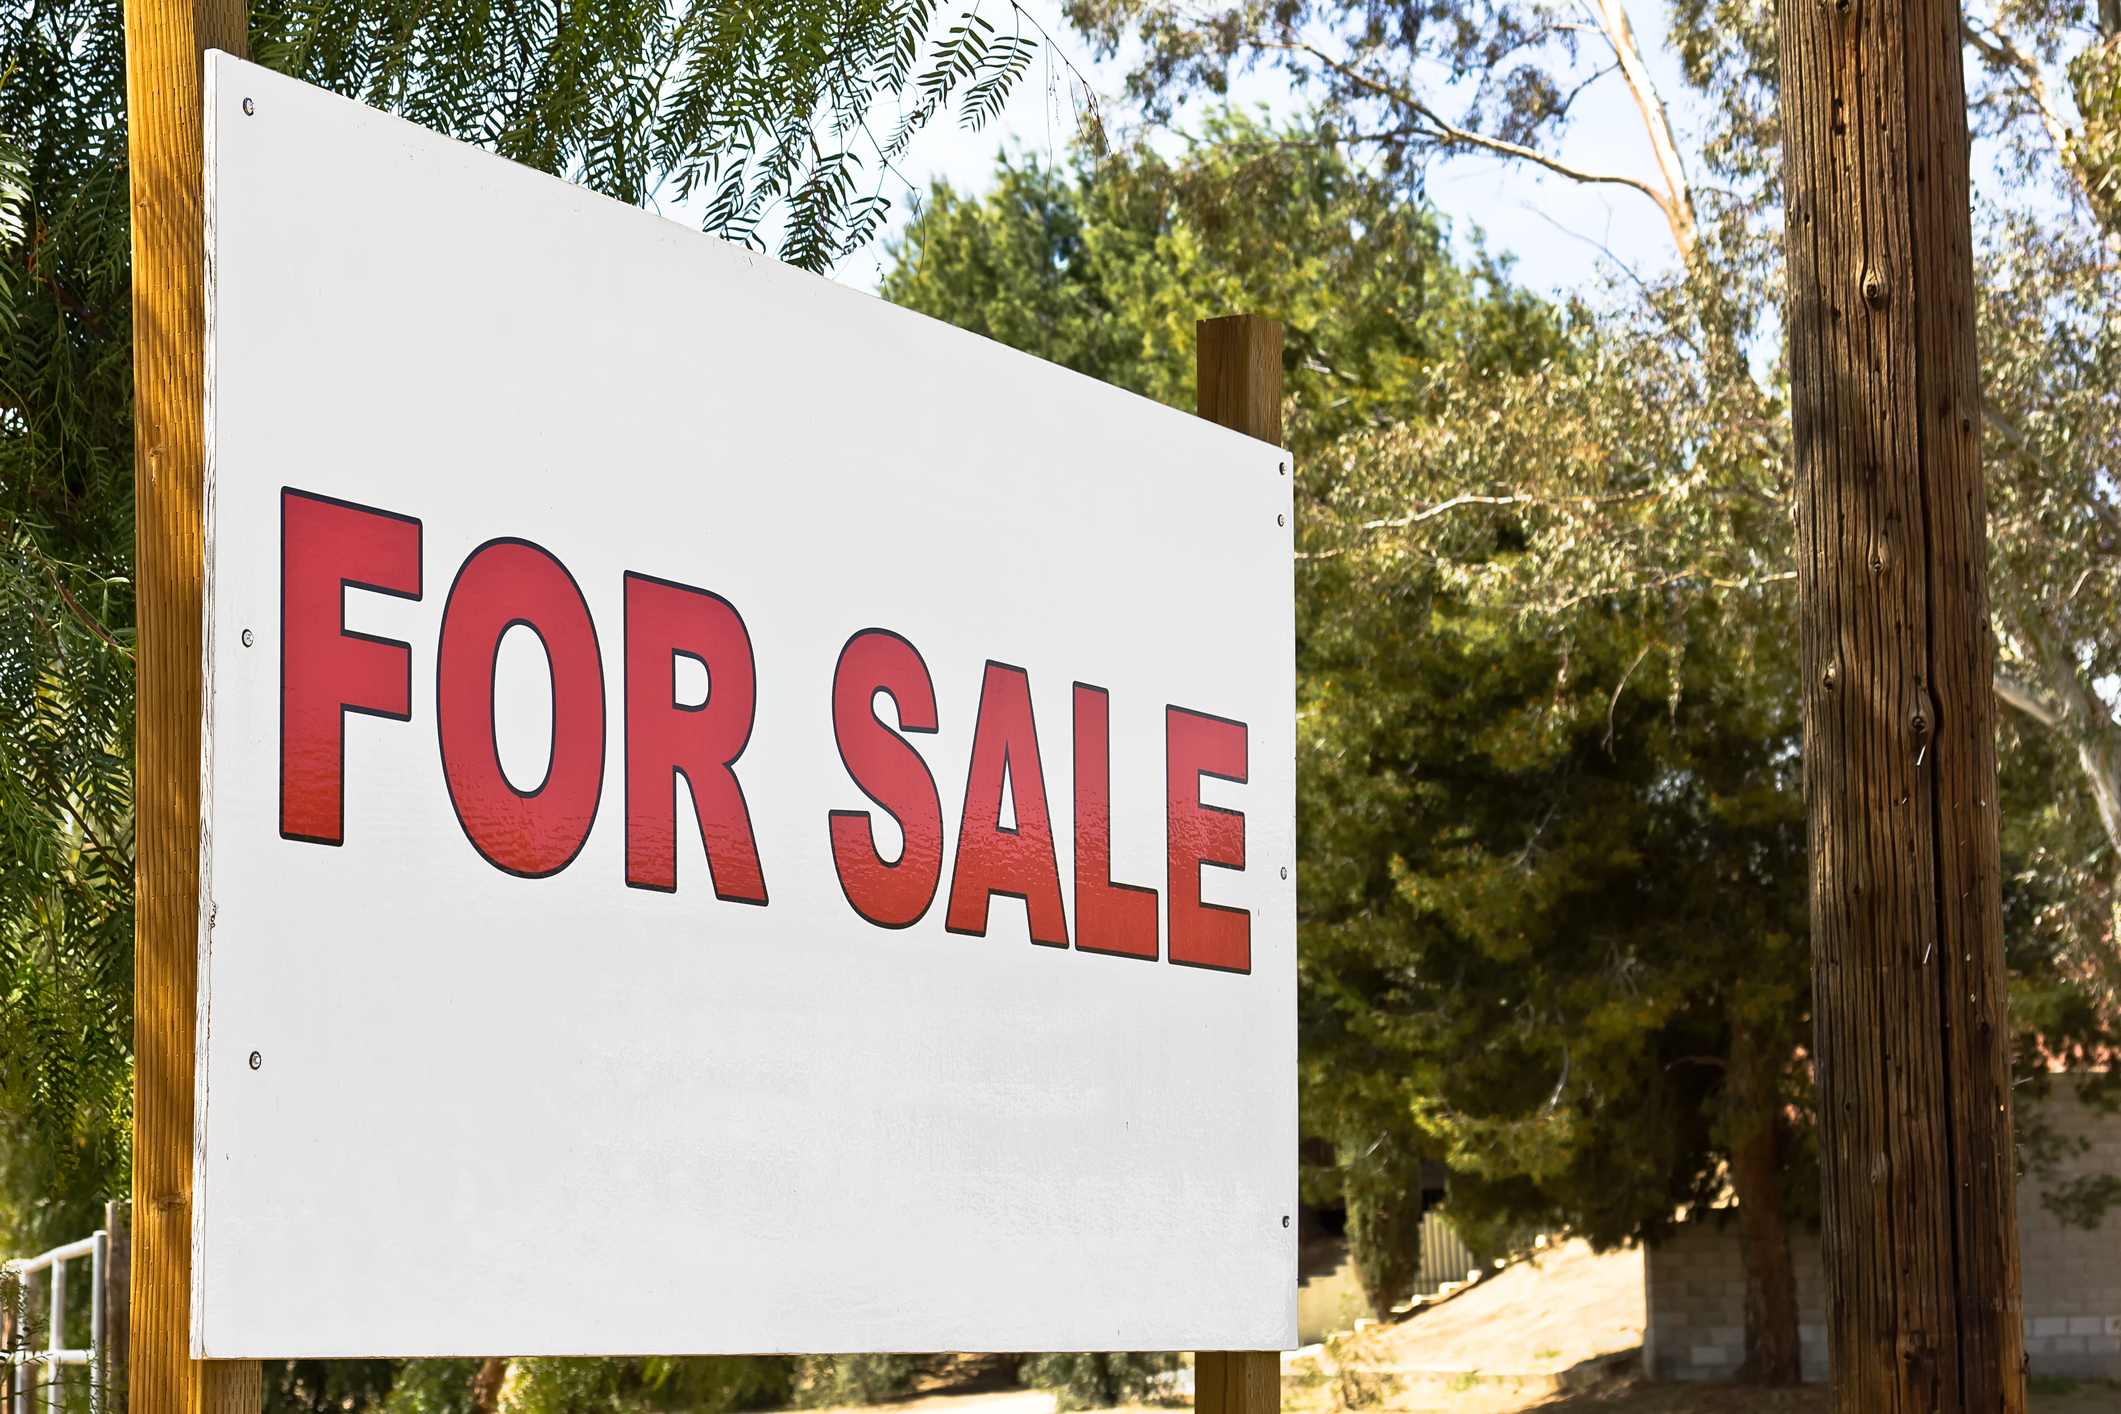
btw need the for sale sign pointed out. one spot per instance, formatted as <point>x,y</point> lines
<point>737,817</point>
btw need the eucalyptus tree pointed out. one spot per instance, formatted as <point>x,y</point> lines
<point>1417,80</point>
<point>1655,468</point>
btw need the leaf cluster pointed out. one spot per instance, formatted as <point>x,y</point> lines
<point>750,112</point>
<point>1105,265</point>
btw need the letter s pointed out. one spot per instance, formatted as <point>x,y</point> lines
<point>890,894</point>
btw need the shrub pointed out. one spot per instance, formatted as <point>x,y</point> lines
<point>1100,1380</point>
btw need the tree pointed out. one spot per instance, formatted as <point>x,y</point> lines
<point>1554,893</point>
<point>1657,467</point>
<point>1104,267</point>
<point>1416,83</point>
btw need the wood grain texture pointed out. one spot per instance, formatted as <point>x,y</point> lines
<point>1237,368</point>
<point>1237,1381</point>
<point>165,41</point>
<point>1912,1056</point>
<point>231,1386</point>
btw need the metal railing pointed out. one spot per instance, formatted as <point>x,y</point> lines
<point>25,1359</point>
<point>1444,1256</point>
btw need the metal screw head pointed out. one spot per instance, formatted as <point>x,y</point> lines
<point>249,108</point>
<point>1284,1219</point>
<point>1279,521</point>
<point>1285,871</point>
<point>246,638</point>
<point>1283,468</point>
<point>256,1060</point>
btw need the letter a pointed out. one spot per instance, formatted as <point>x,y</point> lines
<point>991,858</point>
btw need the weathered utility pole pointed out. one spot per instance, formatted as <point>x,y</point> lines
<point>1912,1057</point>
<point>165,45</point>
<point>1237,383</point>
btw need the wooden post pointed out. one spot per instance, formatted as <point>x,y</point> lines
<point>1912,1049</point>
<point>165,41</point>
<point>117,1304</point>
<point>1237,368</point>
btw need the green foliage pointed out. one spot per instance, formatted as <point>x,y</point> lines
<point>833,1381</point>
<point>1381,1185</point>
<point>1100,1380</point>
<point>333,1386</point>
<point>750,109</point>
<point>65,628</point>
<point>65,891</point>
<point>702,1384</point>
<point>433,1387</point>
<point>2095,84</point>
<point>1539,883</point>
<point>1105,268</point>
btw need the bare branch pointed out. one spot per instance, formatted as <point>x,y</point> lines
<point>1996,47</point>
<point>1451,134</point>
<point>1679,205</point>
<point>2012,433</point>
<point>2013,693</point>
<point>1614,705</point>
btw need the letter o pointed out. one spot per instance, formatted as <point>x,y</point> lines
<point>535,833</point>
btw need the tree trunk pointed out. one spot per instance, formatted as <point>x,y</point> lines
<point>1920,1233</point>
<point>1773,1355</point>
<point>486,1385</point>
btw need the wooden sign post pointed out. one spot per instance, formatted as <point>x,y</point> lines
<point>165,41</point>
<point>1913,1049</point>
<point>1237,377</point>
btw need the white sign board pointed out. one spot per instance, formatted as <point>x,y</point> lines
<point>737,817</point>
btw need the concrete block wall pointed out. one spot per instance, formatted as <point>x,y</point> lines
<point>1694,1283</point>
<point>1694,1294</point>
<point>2072,1278</point>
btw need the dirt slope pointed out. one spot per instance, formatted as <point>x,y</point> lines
<point>1566,1305</point>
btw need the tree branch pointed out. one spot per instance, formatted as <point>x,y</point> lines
<point>2014,693</point>
<point>1679,208</point>
<point>1996,47</point>
<point>1450,133</point>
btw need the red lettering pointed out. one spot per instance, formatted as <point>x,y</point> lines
<point>889,893</point>
<point>326,548</point>
<point>699,744</point>
<point>993,859</point>
<point>536,832</point>
<point>1196,745</point>
<point>1109,917</point>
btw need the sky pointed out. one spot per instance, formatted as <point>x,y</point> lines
<point>1565,236</point>
<point>1562,233</point>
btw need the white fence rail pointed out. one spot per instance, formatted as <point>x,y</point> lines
<point>24,1358</point>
